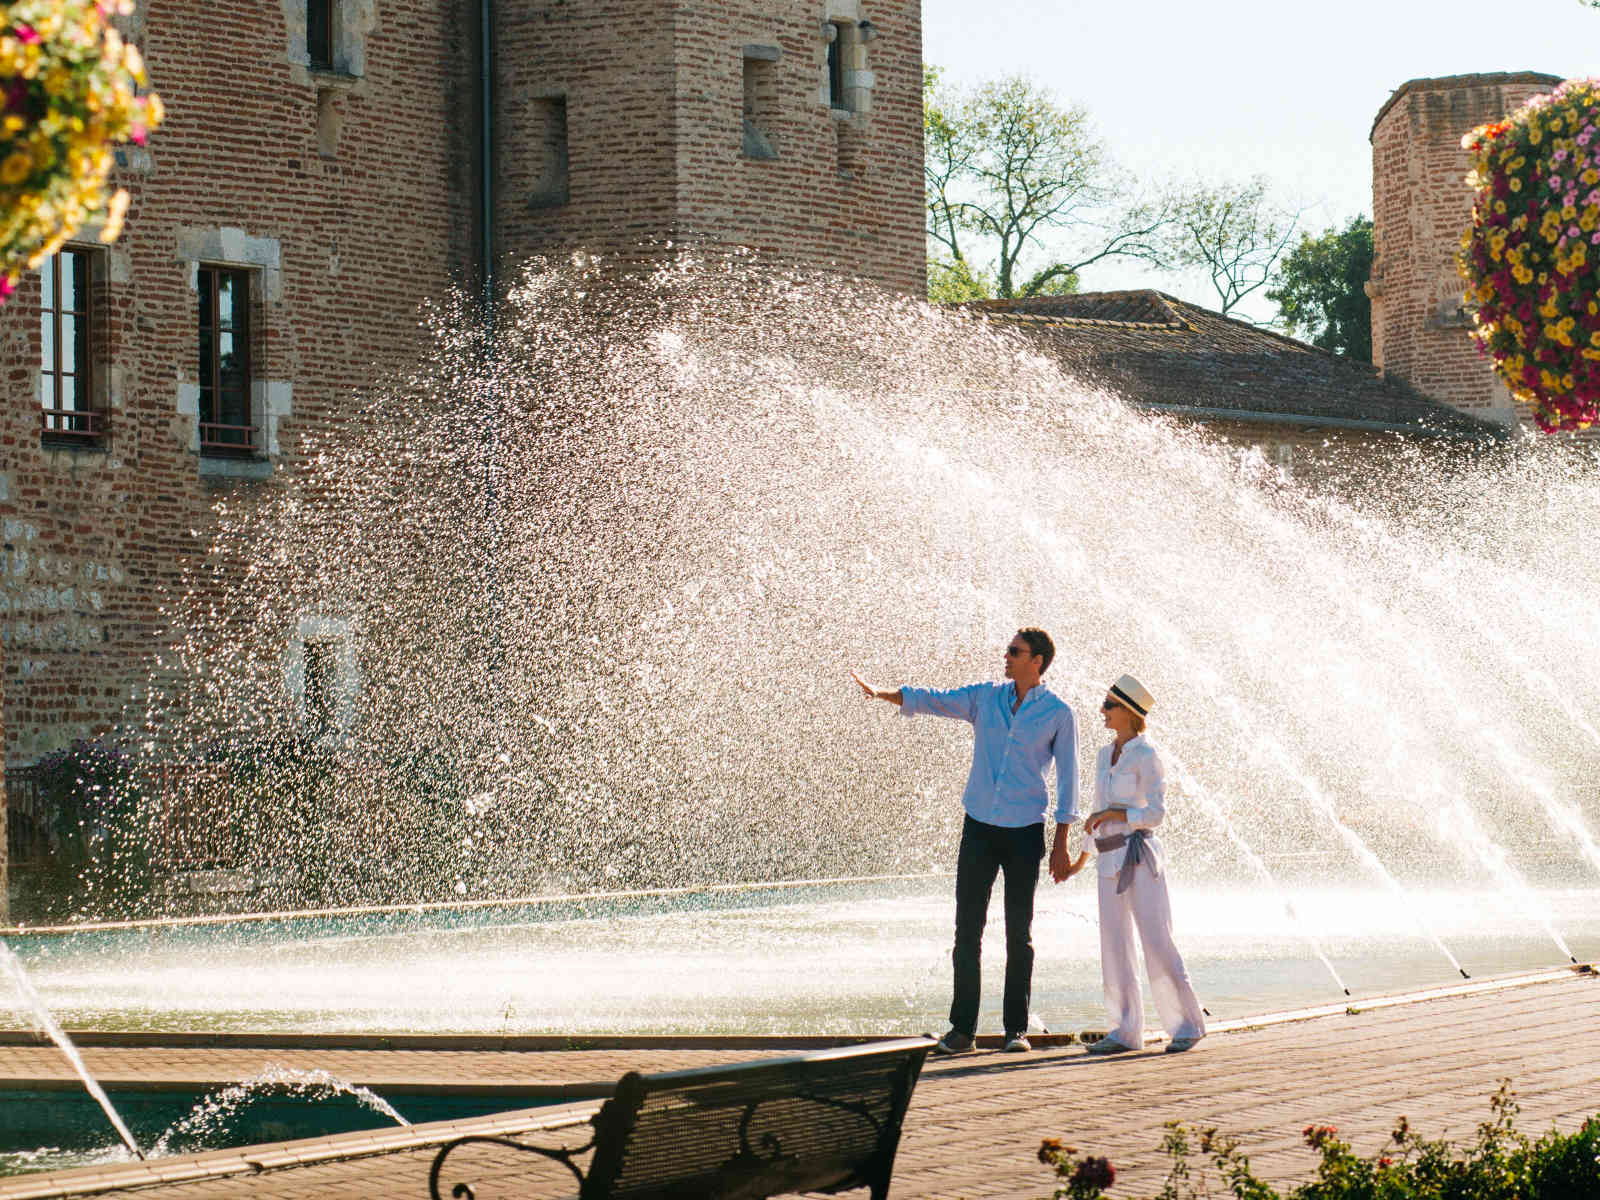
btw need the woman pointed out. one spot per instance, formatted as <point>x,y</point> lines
<point>1129,795</point>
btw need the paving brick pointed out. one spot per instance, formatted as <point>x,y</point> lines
<point>975,1122</point>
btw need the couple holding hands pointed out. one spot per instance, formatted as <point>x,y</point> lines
<point>1019,728</point>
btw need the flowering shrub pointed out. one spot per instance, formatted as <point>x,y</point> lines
<point>68,84</point>
<point>1531,258</point>
<point>1503,1164</point>
<point>1083,1178</point>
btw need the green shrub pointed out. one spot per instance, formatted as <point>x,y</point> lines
<point>1502,1164</point>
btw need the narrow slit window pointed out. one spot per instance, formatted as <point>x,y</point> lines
<point>550,188</point>
<point>760,102</point>
<point>321,675</point>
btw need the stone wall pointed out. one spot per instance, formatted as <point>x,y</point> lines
<point>1421,205</point>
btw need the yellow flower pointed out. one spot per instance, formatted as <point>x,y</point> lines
<point>57,80</point>
<point>1514,184</point>
<point>17,167</point>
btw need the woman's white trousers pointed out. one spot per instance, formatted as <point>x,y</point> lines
<point>1145,906</point>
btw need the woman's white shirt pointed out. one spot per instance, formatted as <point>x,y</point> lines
<point>1135,782</point>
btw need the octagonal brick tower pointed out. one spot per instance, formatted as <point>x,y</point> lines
<point>1421,205</point>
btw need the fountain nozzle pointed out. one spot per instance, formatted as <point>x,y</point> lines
<point>1347,991</point>
<point>1464,974</point>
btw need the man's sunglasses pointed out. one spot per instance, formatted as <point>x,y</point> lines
<point>1016,651</point>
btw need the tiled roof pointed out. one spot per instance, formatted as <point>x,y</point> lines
<point>1158,351</point>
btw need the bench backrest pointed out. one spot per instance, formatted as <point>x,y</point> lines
<point>823,1121</point>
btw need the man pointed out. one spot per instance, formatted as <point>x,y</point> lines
<point>1019,728</point>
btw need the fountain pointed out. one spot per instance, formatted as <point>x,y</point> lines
<point>603,653</point>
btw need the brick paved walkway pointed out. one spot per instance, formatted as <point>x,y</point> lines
<point>975,1122</point>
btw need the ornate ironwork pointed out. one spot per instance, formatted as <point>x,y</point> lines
<point>463,1191</point>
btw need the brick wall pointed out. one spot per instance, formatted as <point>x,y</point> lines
<point>654,101</point>
<point>1420,207</point>
<point>351,195</point>
<point>348,199</point>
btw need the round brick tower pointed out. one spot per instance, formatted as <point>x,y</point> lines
<point>1420,207</point>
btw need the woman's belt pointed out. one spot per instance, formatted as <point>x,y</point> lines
<point>1138,844</point>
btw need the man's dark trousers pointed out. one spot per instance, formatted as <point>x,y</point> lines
<point>985,851</point>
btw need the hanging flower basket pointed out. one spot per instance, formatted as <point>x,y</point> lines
<point>1531,259</point>
<point>67,85</point>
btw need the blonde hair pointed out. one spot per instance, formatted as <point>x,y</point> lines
<point>1136,720</point>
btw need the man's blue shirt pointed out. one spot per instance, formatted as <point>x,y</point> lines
<point>1010,751</point>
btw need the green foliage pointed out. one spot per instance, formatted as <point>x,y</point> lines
<point>1012,175</point>
<point>952,281</point>
<point>1320,290</point>
<point>1502,1164</point>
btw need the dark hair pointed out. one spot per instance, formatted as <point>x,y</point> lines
<point>1039,642</point>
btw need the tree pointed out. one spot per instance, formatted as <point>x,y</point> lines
<point>1233,233</point>
<point>1006,168</point>
<point>1320,290</point>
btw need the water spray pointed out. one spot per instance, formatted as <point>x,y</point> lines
<point>36,1008</point>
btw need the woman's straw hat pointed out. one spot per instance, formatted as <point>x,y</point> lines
<point>1131,693</point>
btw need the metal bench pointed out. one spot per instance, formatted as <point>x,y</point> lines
<point>825,1121</point>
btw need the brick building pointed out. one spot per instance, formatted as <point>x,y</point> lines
<point>1420,207</point>
<point>320,173</point>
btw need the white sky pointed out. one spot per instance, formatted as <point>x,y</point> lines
<point>1244,87</point>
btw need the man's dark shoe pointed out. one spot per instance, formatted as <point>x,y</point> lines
<point>955,1042</point>
<point>1017,1043</point>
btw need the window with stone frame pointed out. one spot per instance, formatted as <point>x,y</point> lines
<point>226,407</point>
<point>320,26</point>
<point>67,344</point>
<point>838,34</point>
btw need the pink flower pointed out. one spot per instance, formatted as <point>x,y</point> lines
<point>1574,232</point>
<point>27,34</point>
<point>6,286</point>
